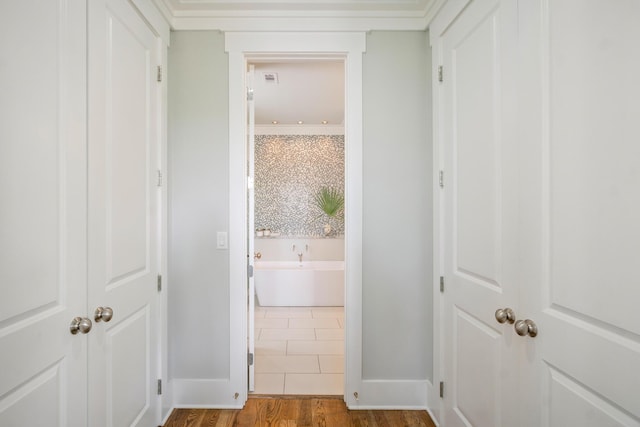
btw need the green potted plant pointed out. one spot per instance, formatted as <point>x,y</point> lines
<point>331,202</point>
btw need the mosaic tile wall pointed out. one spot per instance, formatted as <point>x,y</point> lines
<point>289,170</point>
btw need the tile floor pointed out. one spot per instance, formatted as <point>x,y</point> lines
<point>299,350</point>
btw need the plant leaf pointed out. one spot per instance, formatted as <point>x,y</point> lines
<point>330,201</point>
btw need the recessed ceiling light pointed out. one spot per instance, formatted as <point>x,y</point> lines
<point>324,122</point>
<point>275,122</point>
<point>300,122</point>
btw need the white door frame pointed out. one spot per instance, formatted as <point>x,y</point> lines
<point>241,46</point>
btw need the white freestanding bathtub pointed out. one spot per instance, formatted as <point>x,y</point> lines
<point>300,284</point>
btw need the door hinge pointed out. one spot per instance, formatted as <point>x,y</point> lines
<point>440,74</point>
<point>249,94</point>
<point>159,387</point>
<point>159,73</point>
<point>441,283</point>
<point>442,389</point>
<point>159,178</point>
<point>159,283</point>
<point>250,359</point>
<point>250,270</point>
<point>441,179</point>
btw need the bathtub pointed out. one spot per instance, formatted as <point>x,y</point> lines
<point>295,284</point>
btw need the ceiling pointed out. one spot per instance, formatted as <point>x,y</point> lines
<point>311,92</point>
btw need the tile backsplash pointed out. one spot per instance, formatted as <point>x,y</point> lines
<point>289,170</point>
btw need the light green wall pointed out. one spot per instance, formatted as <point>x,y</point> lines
<point>397,236</point>
<point>397,304</point>
<point>198,107</point>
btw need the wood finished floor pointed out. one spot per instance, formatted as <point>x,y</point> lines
<point>303,411</point>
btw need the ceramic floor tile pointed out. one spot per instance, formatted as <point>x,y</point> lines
<point>319,384</point>
<point>299,350</point>
<point>269,384</point>
<point>331,364</point>
<point>324,313</point>
<point>288,334</point>
<point>287,364</point>
<point>278,309</point>
<point>271,323</point>
<point>315,347</point>
<point>289,314</point>
<point>270,348</point>
<point>313,323</point>
<point>329,334</point>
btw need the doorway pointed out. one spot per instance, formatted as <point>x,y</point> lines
<point>242,49</point>
<point>296,220</point>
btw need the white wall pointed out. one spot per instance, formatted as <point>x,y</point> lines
<point>198,311</point>
<point>312,249</point>
<point>397,238</point>
<point>397,340</point>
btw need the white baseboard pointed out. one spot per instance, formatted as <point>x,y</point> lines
<point>374,394</point>
<point>391,394</point>
<point>213,394</point>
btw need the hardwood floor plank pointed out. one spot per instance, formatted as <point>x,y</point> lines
<point>297,411</point>
<point>209,418</point>
<point>329,412</point>
<point>418,418</point>
<point>187,417</point>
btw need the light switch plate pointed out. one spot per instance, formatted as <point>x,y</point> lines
<point>222,241</point>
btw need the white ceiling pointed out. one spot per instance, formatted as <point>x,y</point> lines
<point>305,91</point>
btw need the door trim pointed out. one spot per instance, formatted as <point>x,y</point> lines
<point>349,47</point>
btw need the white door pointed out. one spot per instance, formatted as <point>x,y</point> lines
<point>251,294</point>
<point>480,215</point>
<point>42,213</point>
<point>580,212</point>
<point>123,224</point>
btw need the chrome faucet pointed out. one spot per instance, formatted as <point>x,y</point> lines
<point>300,257</point>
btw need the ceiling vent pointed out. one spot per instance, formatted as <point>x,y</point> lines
<point>270,77</point>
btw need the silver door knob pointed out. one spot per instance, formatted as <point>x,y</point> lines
<point>505,315</point>
<point>526,327</point>
<point>103,314</point>
<point>80,324</point>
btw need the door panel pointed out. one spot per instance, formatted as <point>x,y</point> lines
<point>129,357</point>
<point>123,164</point>
<point>479,215</point>
<point>593,216</point>
<point>42,212</point>
<point>127,149</point>
<point>477,152</point>
<point>477,343</point>
<point>572,404</point>
<point>582,241</point>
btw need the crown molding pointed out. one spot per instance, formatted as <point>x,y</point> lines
<point>282,19</point>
